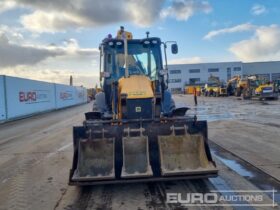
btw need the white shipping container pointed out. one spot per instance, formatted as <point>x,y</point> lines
<point>2,99</point>
<point>25,97</point>
<point>65,96</point>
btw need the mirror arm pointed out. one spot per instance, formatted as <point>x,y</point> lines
<point>166,67</point>
<point>165,56</point>
<point>100,65</point>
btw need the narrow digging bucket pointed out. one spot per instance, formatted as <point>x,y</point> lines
<point>136,157</point>
<point>95,160</point>
<point>183,154</point>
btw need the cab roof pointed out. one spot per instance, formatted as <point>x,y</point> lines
<point>151,39</point>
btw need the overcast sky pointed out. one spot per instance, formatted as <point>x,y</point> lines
<point>52,39</point>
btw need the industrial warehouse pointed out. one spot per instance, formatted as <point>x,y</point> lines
<point>181,75</point>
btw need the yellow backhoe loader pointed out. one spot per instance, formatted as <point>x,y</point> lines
<point>135,133</point>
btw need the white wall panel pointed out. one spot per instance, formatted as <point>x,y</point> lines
<point>26,97</point>
<point>65,95</point>
<point>2,100</point>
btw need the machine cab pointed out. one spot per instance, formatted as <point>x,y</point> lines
<point>143,58</point>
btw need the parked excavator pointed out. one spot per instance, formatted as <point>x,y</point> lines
<point>135,133</point>
<point>236,85</point>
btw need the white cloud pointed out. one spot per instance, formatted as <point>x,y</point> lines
<point>235,29</point>
<point>7,5</point>
<point>14,54</point>
<point>21,56</point>
<point>264,45</point>
<point>184,9</point>
<point>258,9</point>
<point>55,75</point>
<point>51,22</point>
<point>189,60</point>
<point>58,15</point>
<point>13,34</point>
<point>53,63</point>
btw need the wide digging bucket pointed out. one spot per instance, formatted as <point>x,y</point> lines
<point>95,160</point>
<point>183,154</point>
<point>136,156</point>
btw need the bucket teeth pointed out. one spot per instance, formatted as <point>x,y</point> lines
<point>183,154</point>
<point>95,160</point>
<point>136,157</point>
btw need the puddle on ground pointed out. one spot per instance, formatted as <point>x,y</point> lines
<point>233,165</point>
<point>216,113</point>
<point>228,109</point>
<point>204,114</point>
<point>249,172</point>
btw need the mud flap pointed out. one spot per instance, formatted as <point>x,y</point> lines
<point>136,157</point>
<point>95,160</point>
<point>183,154</point>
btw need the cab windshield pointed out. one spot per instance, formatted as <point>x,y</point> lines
<point>141,60</point>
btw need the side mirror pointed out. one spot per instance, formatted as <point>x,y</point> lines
<point>174,48</point>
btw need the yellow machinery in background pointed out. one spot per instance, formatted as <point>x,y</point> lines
<point>189,89</point>
<point>236,85</point>
<point>259,88</point>
<point>252,87</point>
<point>214,87</point>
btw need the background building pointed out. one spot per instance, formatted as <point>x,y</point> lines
<point>183,74</point>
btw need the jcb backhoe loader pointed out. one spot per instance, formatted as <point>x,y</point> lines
<point>135,133</point>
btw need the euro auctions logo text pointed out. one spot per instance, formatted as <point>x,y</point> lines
<point>27,96</point>
<point>223,198</point>
<point>66,95</point>
<point>34,96</point>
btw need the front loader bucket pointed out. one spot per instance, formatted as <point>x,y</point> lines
<point>95,159</point>
<point>106,152</point>
<point>183,154</point>
<point>136,157</point>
